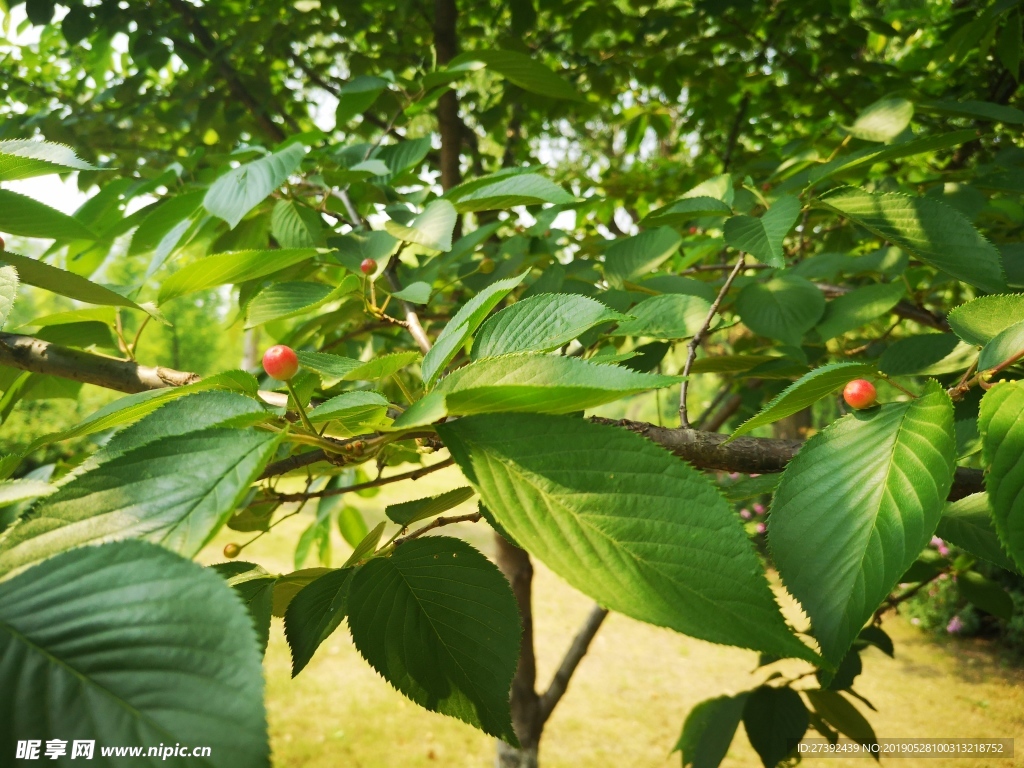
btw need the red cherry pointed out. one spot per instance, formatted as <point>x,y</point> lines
<point>368,266</point>
<point>765,187</point>
<point>859,394</point>
<point>3,245</point>
<point>280,362</point>
<point>231,551</point>
<point>694,230</point>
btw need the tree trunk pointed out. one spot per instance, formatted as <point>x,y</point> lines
<point>446,44</point>
<point>526,712</point>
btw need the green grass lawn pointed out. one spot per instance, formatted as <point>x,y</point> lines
<point>627,702</point>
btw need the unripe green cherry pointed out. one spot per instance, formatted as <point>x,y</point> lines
<point>486,266</point>
<point>859,394</point>
<point>232,550</point>
<point>280,362</point>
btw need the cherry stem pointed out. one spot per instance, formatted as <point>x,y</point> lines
<point>302,411</point>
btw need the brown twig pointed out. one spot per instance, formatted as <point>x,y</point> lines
<point>571,660</point>
<point>438,522</point>
<point>412,475</point>
<point>691,349</point>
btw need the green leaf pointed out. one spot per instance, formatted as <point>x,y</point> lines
<point>367,546</point>
<point>981,320</point>
<point>24,489</point>
<point>193,412</point>
<point>750,487</point>
<point>540,323</point>
<point>351,413</point>
<point>351,525</point>
<point>280,301</point>
<point>8,291</point>
<point>625,522</point>
<point>256,589</point>
<point>162,229</point>
<point>357,96</point>
<point>529,383</point>
<point>807,390</point>
<point>330,368</point>
<point>762,238</point>
<point>438,620</point>
<point>967,524</point>
<point>177,491</point>
<point>918,355</point>
<point>838,712</point>
<point>522,70</point>
<point>980,110</point>
<point>288,586</point>
<point>414,293</point>
<point>883,121</point>
<point>783,308</point>
<point>634,256</point>
<point>870,156</point>
<point>314,613</point>
<point>859,307</point>
<point>855,507</point>
<point>682,211</point>
<point>508,191</point>
<point>1007,345</point>
<point>295,226</point>
<point>985,594</point>
<point>64,283</point>
<point>228,268</point>
<point>241,189</point>
<point>401,157</point>
<point>96,621</point>
<point>1001,424</point>
<point>24,158</point>
<point>669,316</point>
<point>459,329</point>
<point>709,730</point>
<point>775,720</point>
<point>432,229</point>
<point>409,512</point>
<point>926,228</point>
<point>130,408</point>
<point>381,366</point>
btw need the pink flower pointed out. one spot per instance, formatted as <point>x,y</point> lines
<point>759,509</point>
<point>734,475</point>
<point>755,475</point>
<point>936,542</point>
<point>745,514</point>
<point>943,550</point>
<point>955,625</point>
<point>760,528</point>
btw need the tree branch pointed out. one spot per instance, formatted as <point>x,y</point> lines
<point>411,475</point>
<point>438,522</point>
<point>691,349</point>
<point>38,356</point>
<point>705,450</point>
<point>572,659</point>
<point>753,455</point>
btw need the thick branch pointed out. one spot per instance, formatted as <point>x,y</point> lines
<point>705,450</point>
<point>754,455</point>
<point>572,659</point>
<point>38,356</point>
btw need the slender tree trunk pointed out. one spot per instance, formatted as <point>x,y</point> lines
<point>526,709</point>
<point>446,44</point>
